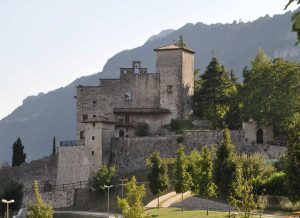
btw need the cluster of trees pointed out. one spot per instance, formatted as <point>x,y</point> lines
<point>269,94</point>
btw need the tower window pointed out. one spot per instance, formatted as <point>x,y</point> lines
<point>93,138</point>
<point>170,88</point>
<point>84,105</point>
<point>84,117</point>
<point>93,152</point>
<point>82,135</point>
<point>94,103</point>
<point>128,96</point>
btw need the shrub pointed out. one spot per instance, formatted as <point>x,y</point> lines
<point>12,191</point>
<point>103,176</point>
<point>274,185</point>
<point>142,129</point>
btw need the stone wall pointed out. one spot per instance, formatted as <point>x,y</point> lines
<point>130,154</point>
<point>44,170</point>
<point>58,199</point>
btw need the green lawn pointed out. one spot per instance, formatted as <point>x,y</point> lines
<point>176,213</point>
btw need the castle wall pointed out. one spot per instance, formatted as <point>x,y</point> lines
<point>130,154</point>
<point>251,129</point>
<point>43,170</point>
<point>143,88</point>
<point>73,164</point>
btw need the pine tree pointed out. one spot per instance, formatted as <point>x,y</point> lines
<point>158,176</point>
<point>214,96</point>
<point>180,42</point>
<point>54,146</point>
<point>225,166</point>
<point>39,209</point>
<point>293,159</point>
<point>183,179</point>
<point>18,156</point>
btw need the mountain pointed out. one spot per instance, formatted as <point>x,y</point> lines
<point>41,117</point>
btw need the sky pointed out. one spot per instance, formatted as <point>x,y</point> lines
<point>46,44</point>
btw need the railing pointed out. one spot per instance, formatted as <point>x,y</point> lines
<point>68,143</point>
<point>69,186</point>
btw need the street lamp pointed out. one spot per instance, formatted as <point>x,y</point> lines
<point>108,187</point>
<point>7,203</point>
<point>122,181</point>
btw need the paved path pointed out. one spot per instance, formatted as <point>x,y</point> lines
<point>95,214</point>
<point>154,202</point>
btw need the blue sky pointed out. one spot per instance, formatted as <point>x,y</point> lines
<point>46,44</point>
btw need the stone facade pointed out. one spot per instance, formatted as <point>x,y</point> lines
<point>139,96</point>
<point>130,154</point>
<point>257,134</point>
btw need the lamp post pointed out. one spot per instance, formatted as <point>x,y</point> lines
<point>7,203</point>
<point>108,187</point>
<point>122,181</point>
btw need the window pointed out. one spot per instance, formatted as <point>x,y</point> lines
<point>94,124</point>
<point>93,138</point>
<point>94,103</point>
<point>82,135</point>
<point>94,115</point>
<point>93,153</point>
<point>128,96</point>
<point>84,117</point>
<point>84,105</point>
<point>169,88</point>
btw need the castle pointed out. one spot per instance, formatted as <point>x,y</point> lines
<point>107,116</point>
<point>117,106</point>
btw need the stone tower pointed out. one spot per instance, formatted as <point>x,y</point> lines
<point>175,66</point>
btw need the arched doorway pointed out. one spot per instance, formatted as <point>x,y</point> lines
<point>259,136</point>
<point>121,133</point>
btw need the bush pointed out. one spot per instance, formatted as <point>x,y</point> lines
<point>274,185</point>
<point>103,176</point>
<point>178,126</point>
<point>12,191</point>
<point>142,129</point>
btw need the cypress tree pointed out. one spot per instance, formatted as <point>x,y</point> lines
<point>225,167</point>
<point>180,42</point>
<point>183,179</point>
<point>158,176</point>
<point>54,146</point>
<point>18,156</point>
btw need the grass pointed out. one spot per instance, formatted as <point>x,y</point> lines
<point>176,213</point>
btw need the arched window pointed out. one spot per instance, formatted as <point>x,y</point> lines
<point>259,136</point>
<point>121,133</point>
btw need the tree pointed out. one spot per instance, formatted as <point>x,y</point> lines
<point>39,209</point>
<point>241,196</point>
<point>270,93</point>
<point>293,159</point>
<point>180,42</point>
<point>207,187</point>
<point>183,180</point>
<point>225,166</point>
<point>54,146</point>
<point>214,95</point>
<point>132,206</point>
<point>13,190</point>
<point>103,176</point>
<point>142,129</point>
<point>295,19</point>
<point>18,156</point>
<point>158,176</point>
<point>194,160</point>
